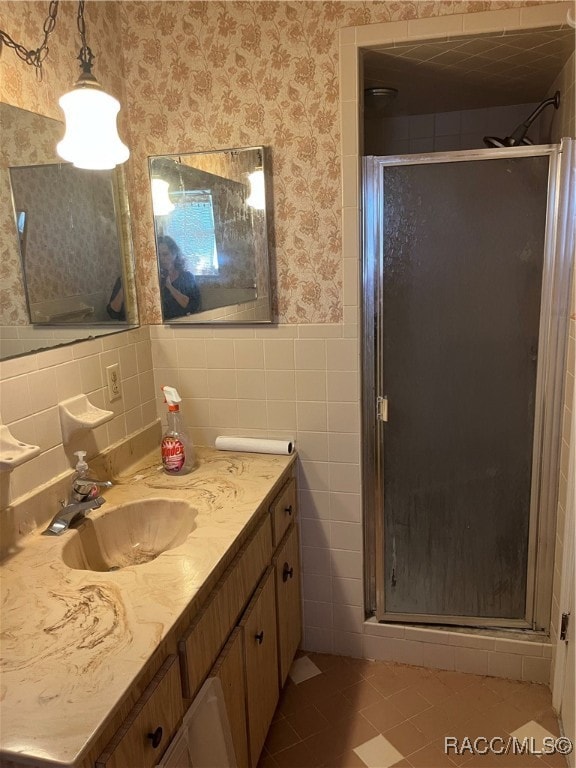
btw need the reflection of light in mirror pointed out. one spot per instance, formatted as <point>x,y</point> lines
<point>161,202</point>
<point>257,198</point>
<point>91,140</point>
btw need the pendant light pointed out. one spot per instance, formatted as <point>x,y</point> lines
<point>91,139</point>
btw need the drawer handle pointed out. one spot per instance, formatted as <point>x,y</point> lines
<point>259,637</point>
<point>287,572</point>
<point>155,737</point>
<point>288,509</point>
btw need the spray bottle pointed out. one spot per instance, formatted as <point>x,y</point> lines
<point>176,447</point>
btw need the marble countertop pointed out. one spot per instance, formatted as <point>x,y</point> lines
<point>72,642</point>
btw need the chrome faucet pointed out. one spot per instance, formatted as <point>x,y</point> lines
<point>85,498</point>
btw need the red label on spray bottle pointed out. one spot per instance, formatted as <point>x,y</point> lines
<point>173,455</point>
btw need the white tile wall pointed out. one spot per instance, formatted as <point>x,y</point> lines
<point>31,388</point>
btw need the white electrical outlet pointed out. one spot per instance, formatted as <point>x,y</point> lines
<point>113,379</point>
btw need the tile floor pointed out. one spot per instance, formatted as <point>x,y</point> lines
<point>340,712</point>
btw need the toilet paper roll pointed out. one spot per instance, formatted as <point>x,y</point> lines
<point>254,445</point>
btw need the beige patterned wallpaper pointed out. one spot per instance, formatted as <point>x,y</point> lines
<point>71,240</point>
<point>207,75</point>
<point>20,87</point>
<point>27,139</point>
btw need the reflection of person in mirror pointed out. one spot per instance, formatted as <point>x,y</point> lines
<point>180,294</point>
<point>115,306</point>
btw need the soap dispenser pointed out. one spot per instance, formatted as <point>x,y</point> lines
<point>83,489</point>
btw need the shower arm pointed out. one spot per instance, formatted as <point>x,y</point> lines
<point>520,132</point>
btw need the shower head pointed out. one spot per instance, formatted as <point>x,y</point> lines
<point>378,97</point>
<point>518,136</point>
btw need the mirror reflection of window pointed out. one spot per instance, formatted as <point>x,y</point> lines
<point>192,223</point>
<point>21,221</point>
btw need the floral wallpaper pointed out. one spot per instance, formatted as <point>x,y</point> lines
<point>208,75</point>
<point>27,138</point>
<point>30,138</point>
<point>71,239</point>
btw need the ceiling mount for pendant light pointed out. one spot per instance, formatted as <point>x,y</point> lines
<point>91,139</point>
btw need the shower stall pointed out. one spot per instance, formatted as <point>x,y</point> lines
<point>466,273</point>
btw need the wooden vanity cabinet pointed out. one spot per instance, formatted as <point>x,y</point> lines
<point>147,731</point>
<point>258,627</point>
<point>229,669</point>
<point>286,564</point>
<point>246,634</point>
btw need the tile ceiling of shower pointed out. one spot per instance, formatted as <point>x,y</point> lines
<point>469,72</point>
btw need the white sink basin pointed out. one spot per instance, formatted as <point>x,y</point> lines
<point>130,534</point>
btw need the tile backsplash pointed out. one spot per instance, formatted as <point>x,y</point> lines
<point>32,386</point>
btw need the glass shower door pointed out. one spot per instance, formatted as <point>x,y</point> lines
<point>460,286</point>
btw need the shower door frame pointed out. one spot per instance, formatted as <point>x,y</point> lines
<point>553,328</point>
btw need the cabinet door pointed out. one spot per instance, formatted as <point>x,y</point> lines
<point>146,732</point>
<point>288,600</point>
<point>202,643</point>
<point>261,662</point>
<point>229,668</point>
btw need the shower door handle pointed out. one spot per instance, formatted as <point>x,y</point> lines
<point>382,408</point>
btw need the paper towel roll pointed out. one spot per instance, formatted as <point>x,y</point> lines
<point>254,445</point>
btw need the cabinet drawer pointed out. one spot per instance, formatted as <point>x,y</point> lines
<point>148,729</point>
<point>288,602</point>
<point>229,668</point>
<point>261,662</point>
<point>200,646</point>
<point>283,510</point>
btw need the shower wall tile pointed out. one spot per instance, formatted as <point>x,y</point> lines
<point>536,669</point>
<point>471,641</point>
<point>317,589</point>
<point>346,507</point>
<point>471,660</point>
<point>320,640</point>
<point>316,561</point>
<point>517,646</point>
<point>348,644</point>
<point>346,536</point>
<point>315,532</point>
<point>438,656</point>
<point>310,354</point>
<point>313,446</point>
<point>314,504</point>
<point>347,591</point>
<point>505,665</point>
<point>345,564</point>
<point>348,618</point>
<point>317,614</point>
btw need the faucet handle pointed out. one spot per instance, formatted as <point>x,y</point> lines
<point>85,488</point>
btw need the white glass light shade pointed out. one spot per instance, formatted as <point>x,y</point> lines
<point>91,140</point>
<point>257,197</point>
<point>161,203</point>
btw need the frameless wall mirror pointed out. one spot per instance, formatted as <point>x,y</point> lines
<point>66,248</point>
<point>211,236</point>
